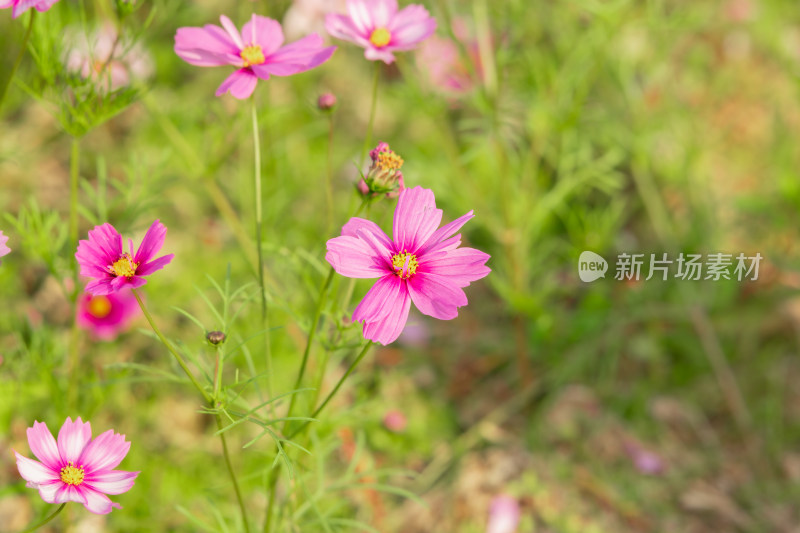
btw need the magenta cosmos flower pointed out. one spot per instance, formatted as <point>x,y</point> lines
<point>421,263</point>
<point>76,468</point>
<point>18,7</point>
<point>4,250</point>
<point>380,28</point>
<point>102,259</point>
<point>257,52</point>
<point>107,316</point>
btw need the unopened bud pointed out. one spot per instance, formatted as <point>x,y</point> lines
<point>215,337</point>
<point>383,176</point>
<point>326,101</point>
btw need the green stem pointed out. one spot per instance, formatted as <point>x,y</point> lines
<point>19,58</point>
<point>259,208</point>
<point>233,476</point>
<point>311,334</point>
<point>73,357</point>
<point>329,188</point>
<point>368,137</point>
<point>330,396</point>
<point>217,374</point>
<point>46,520</point>
<point>172,350</point>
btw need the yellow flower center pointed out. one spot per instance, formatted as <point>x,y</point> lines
<point>99,306</point>
<point>380,37</point>
<point>405,264</point>
<point>252,55</point>
<point>389,161</point>
<point>124,266</point>
<point>71,475</point>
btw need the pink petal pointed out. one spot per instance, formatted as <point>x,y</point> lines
<point>342,27</point>
<point>241,84</point>
<point>264,32</point>
<point>410,26</point>
<point>73,438</point>
<point>233,33</point>
<point>103,247</point>
<point>43,445</point>
<point>34,471</point>
<point>382,12</point>
<point>44,5</point>
<point>360,16</point>
<point>446,231</point>
<point>151,243</point>
<point>121,283</point>
<point>104,452</point>
<point>415,219</point>
<point>112,481</point>
<point>5,4</point>
<point>22,7</point>
<point>48,491</point>
<point>460,267</point>
<point>387,329</point>
<point>99,287</point>
<point>374,54</point>
<point>436,296</point>
<point>155,264</point>
<point>208,46</point>
<point>355,224</point>
<point>96,502</point>
<point>354,258</point>
<point>380,299</point>
<point>69,493</point>
<point>299,56</point>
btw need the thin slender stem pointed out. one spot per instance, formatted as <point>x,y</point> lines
<point>329,188</point>
<point>311,334</point>
<point>46,520</point>
<point>259,207</point>
<point>19,58</point>
<point>73,353</point>
<point>330,396</point>
<point>172,350</point>
<point>368,137</point>
<point>242,507</point>
<point>217,373</point>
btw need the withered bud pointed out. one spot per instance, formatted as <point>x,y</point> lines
<point>215,337</point>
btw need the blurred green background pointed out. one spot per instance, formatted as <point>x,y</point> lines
<point>612,406</point>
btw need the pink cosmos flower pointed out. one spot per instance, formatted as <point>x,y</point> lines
<point>257,52</point>
<point>107,316</point>
<point>308,16</point>
<point>76,468</point>
<point>101,259</point>
<point>4,250</point>
<point>421,263</point>
<point>21,6</point>
<point>503,515</point>
<point>377,26</point>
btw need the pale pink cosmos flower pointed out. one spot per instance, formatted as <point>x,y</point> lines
<point>76,468</point>
<point>18,7</point>
<point>4,250</point>
<point>378,27</point>
<point>308,16</point>
<point>421,263</point>
<point>447,70</point>
<point>102,259</point>
<point>107,316</point>
<point>107,58</point>
<point>256,51</point>
<point>503,515</point>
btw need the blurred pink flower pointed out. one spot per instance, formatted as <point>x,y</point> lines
<point>395,421</point>
<point>76,468</point>
<point>106,59</point>
<point>380,29</point>
<point>308,16</point>
<point>107,316</point>
<point>422,264</point>
<point>21,6</point>
<point>645,461</point>
<point>257,52</point>
<point>4,250</point>
<point>102,260</point>
<point>503,515</point>
<point>447,70</point>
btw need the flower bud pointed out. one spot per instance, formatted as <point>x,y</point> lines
<point>326,102</point>
<point>383,176</point>
<point>395,421</point>
<point>215,337</point>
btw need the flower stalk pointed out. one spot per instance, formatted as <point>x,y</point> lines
<point>46,520</point>
<point>18,60</point>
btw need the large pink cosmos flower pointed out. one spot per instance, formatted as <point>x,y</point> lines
<point>257,52</point>
<point>107,316</point>
<point>422,264</point>
<point>101,258</point>
<point>76,468</point>
<point>4,250</point>
<point>21,6</point>
<point>377,26</point>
